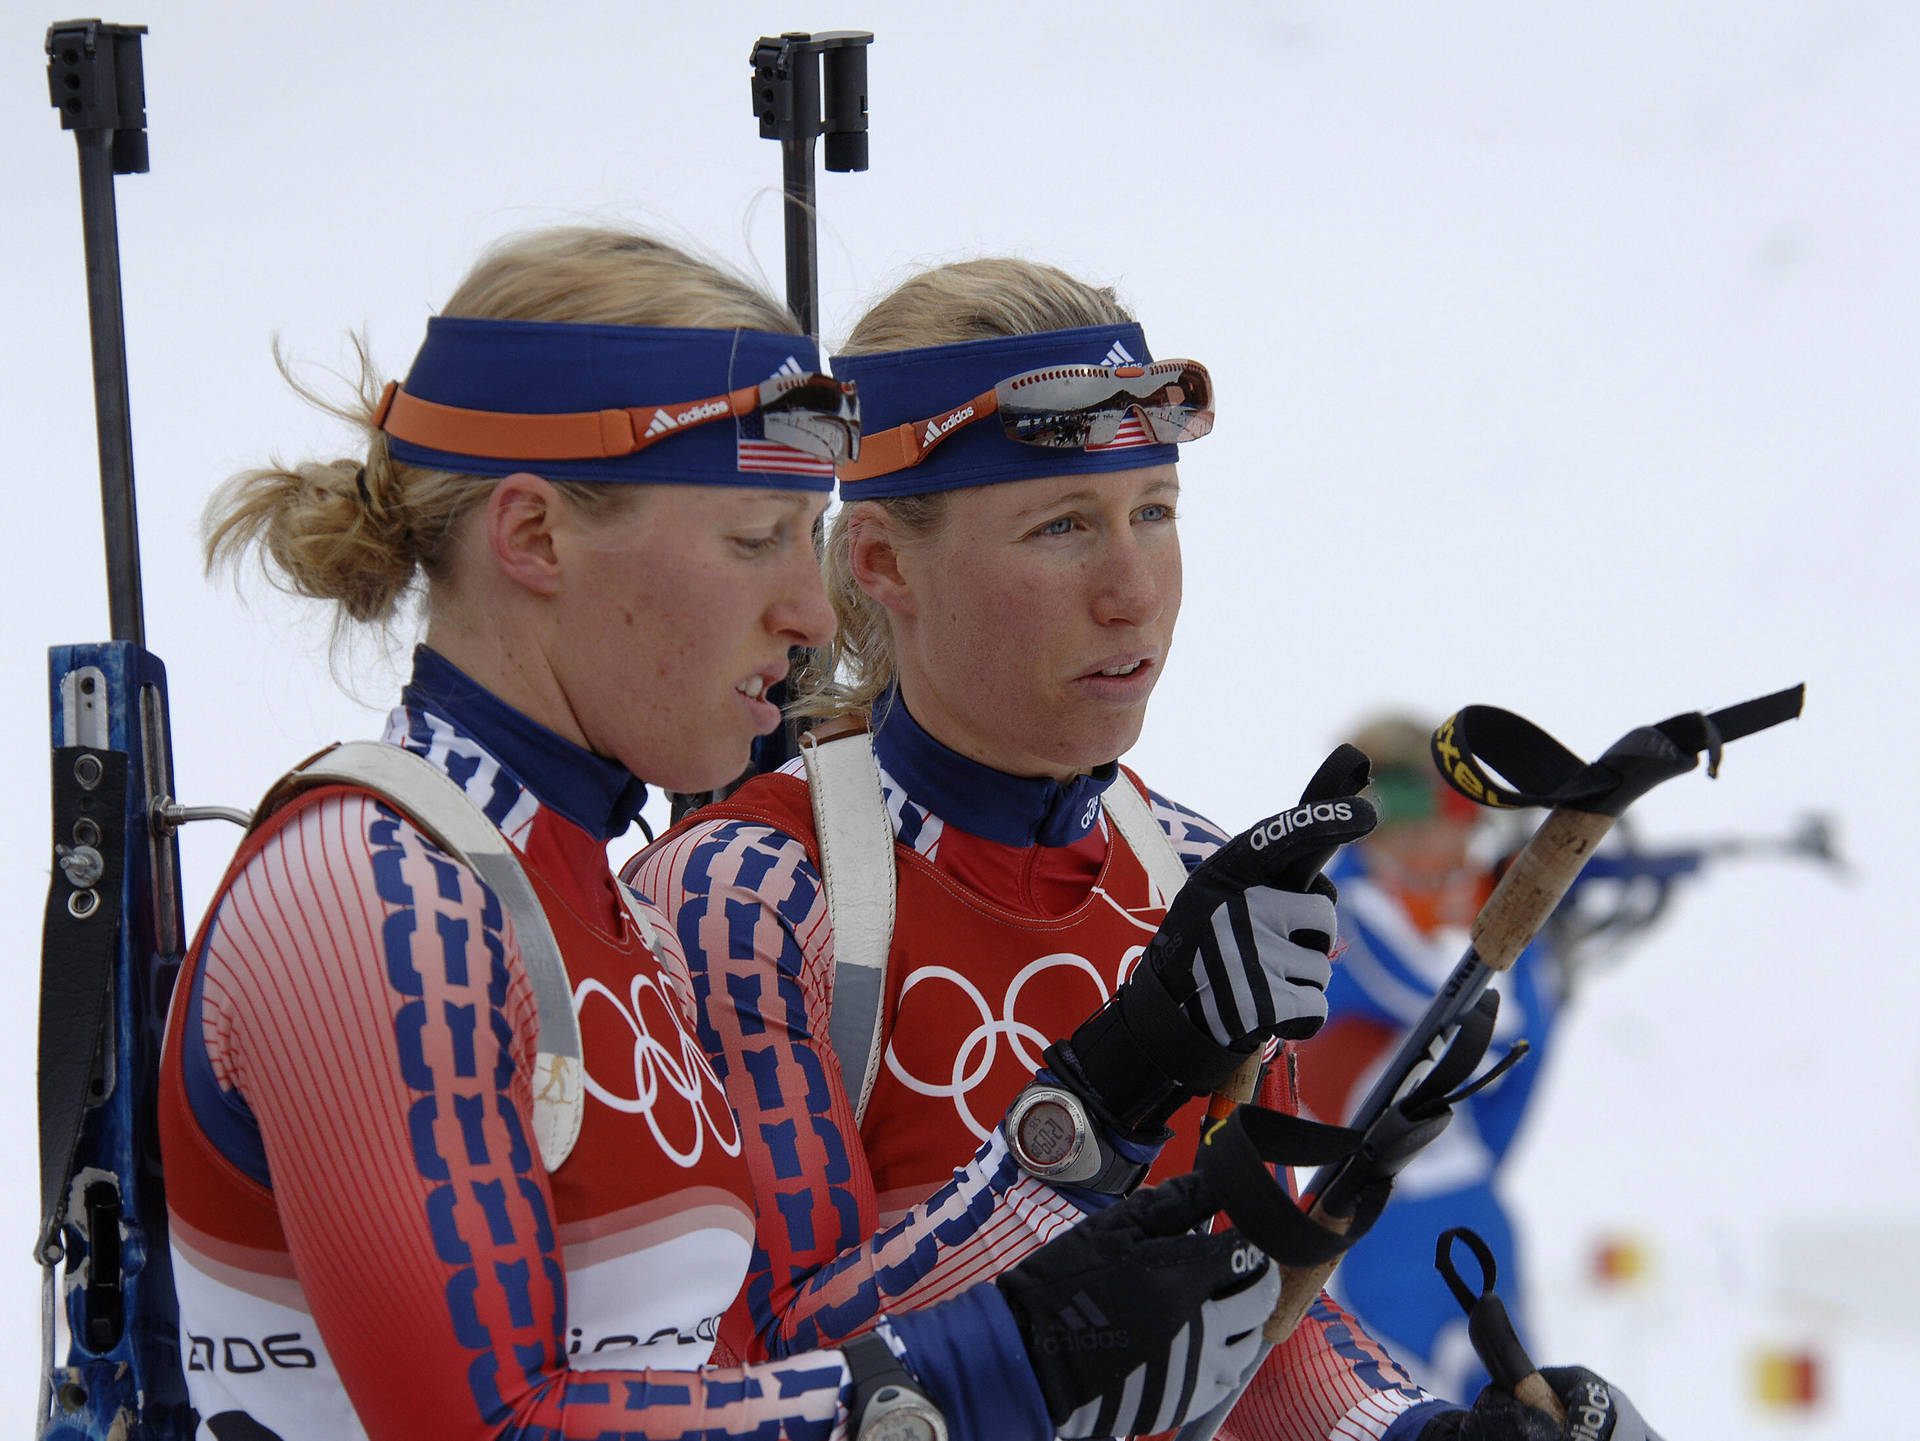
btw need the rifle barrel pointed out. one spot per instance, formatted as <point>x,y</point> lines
<point>803,259</point>
<point>113,414</point>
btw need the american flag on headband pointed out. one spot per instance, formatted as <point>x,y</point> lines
<point>756,452</point>
<point>1133,431</point>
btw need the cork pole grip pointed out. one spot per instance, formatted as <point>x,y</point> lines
<point>1238,1088</point>
<point>1299,1285</point>
<point>1534,884</point>
<point>1534,1391</point>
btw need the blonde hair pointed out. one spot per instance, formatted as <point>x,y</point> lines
<point>362,532</point>
<point>968,300</point>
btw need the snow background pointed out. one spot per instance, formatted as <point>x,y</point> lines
<point>1567,354</point>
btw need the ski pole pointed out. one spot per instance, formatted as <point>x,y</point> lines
<point>1585,800</point>
<point>1490,1328</point>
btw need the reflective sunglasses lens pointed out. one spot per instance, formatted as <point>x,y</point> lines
<point>1074,407</point>
<point>1192,380</point>
<point>816,393</point>
<point>1065,407</point>
<point>1171,424</point>
<point>818,415</point>
<point>1053,429</point>
<point>824,435</point>
<point>1103,424</point>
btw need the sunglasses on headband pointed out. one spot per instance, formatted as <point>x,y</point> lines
<point>810,412</point>
<point>1062,407</point>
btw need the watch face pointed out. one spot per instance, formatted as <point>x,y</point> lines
<point>1049,1133</point>
<point>902,1426</point>
<point>895,1414</point>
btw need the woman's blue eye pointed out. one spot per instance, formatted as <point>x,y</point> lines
<point>1156,512</point>
<point>1062,526</point>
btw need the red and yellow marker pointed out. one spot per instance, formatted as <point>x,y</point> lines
<point>1786,1378</point>
<point>1620,1260</point>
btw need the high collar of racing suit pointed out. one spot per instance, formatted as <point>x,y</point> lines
<point>600,796</point>
<point>1010,810</point>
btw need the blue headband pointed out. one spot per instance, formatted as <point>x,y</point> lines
<point>546,368</point>
<point>902,386</point>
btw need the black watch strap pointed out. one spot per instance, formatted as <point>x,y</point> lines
<point>886,1403</point>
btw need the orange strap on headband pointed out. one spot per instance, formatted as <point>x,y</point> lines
<point>575,435</point>
<point>907,445</point>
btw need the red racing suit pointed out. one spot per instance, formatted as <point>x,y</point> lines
<point>366,1241</point>
<point>999,947</point>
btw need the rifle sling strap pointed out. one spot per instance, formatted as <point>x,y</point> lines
<point>80,938</point>
<point>438,806</point>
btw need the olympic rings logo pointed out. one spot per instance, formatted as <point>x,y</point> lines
<point>675,1067</point>
<point>974,1059</point>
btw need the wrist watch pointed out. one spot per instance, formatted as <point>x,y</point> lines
<point>887,1404</point>
<point>1053,1138</point>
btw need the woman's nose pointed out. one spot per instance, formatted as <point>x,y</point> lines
<point>1130,587</point>
<point>803,613</point>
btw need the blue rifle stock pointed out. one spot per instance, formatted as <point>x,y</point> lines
<point>114,927</point>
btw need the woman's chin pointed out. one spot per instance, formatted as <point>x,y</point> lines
<point>697,771</point>
<point>1094,745</point>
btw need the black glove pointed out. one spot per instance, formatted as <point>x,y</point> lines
<point>1242,955</point>
<point>1596,1411</point>
<point>1132,1322</point>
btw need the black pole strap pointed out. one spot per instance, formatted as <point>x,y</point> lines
<point>1235,1159</point>
<point>1400,1130</point>
<point>1488,1325</point>
<point>1432,1093</point>
<point>1477,742</point>
<point>1237,1155</point>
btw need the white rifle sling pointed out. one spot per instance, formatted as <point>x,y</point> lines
<point>449,818</point>
<point>855,837</point>
<point>637,910</point>
<point>1127,813</point>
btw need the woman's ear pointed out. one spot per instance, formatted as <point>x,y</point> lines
<point>874,556</point>
<point>522,514</point>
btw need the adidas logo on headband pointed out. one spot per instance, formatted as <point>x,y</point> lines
<point>1118,356</point>
<point>662,421</point>
<point>938,428</point>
